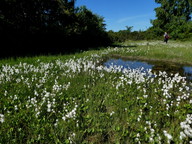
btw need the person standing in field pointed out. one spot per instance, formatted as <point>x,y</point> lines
<point>166,37</point>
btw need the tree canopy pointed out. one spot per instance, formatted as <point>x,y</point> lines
<point>173,16</point>
<point>35,26</point>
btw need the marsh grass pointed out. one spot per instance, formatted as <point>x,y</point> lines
<point>179,52</point>
<point>75,99</point>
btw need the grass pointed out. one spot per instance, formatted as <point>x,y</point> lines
<point>75,99</point>
<point>177,52</point>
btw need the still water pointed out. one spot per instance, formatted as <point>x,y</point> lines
<point>185,71</point>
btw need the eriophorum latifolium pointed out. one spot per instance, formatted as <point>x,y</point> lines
<point>78,100</point>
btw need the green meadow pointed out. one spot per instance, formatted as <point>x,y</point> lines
<point>76,99</point>
<point>174,51</point>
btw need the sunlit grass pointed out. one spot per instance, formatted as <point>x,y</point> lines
<point>179,52</point>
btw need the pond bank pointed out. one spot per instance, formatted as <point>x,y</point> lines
<point>145,64</point>
<point>142,58</point>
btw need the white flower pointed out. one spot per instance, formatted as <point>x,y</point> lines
<point>151,139</point>
<point>145,96</point>
<point>64,118</point>
<point>112,113</point>
<point>186,126</point>
<point>2,118</point>
<point>138,135</point>
<point>182,135</point>
<point>169,137</point>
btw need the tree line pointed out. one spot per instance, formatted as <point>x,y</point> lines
<point>127,34</point>
<point>172,16</point>
<point>58,26</point>
<point>48,26</point>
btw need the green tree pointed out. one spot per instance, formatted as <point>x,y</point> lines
<point>90,27</point>
<point>33,15</point>
<point>48,23</point>
<point>129,28</point>
<point>173,16</point>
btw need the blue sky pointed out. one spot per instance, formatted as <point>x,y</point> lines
<point>121,13</point>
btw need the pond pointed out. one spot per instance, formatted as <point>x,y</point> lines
<point>170,68</point>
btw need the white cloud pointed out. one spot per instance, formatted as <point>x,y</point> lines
<point>125,19</point>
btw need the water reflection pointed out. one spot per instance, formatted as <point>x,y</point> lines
<point>170,68</point>
<point>129,64</point>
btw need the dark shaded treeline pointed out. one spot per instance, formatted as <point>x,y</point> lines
<point>127,34</point>
<point>36,27</point>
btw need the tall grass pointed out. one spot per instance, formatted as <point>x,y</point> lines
<point>179,52</point>
<point>75,99</point>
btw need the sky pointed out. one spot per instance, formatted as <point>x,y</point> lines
<point>121,13</point>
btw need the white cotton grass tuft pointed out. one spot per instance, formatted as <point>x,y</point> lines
<point>168,136</point>
<point>186,127</point>
<point>2,118</point>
